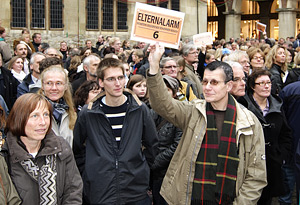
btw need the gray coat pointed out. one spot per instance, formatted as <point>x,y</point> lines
<point>68,181</point>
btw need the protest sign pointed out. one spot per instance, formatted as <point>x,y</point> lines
<point>261,27</point>
<point>154,24</point>
<point>203,39</point>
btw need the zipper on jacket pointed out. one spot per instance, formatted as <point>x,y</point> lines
<point>191,165</point>
<point>117,180</point>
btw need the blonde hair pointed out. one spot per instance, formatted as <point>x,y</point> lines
<point>270,58</point>
<point>67,94</point>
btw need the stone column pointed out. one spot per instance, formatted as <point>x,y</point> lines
<point>287,22</point>
<point>233,24</point>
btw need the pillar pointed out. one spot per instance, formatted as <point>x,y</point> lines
<point>233,24</point>
<point>287,22</point>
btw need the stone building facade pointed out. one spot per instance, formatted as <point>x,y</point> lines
<point>75,21</point>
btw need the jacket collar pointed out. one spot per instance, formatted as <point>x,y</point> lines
<point>17,150</point>
<point>244,119</point>
<point>126,92</point>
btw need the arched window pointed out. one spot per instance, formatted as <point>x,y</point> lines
<point>250,7</point>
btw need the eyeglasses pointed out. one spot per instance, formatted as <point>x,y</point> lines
<point>171,66</point>
<point>239,79</point>
<point>113,79</point>
<point>57,84</point>
<point>245,62</point>
<point>194,53</point>
<point>258,58</point>
<point>263,83</point>
<point>213,82</point>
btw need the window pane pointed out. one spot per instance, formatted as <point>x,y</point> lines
<point>175,5</point>
<point>107,11</point>
<point>164,4</point>
<point>122,15</point>
<point>18,13</point>
<point>38,13</point>
<point>56,17</point>
<point>92,14</point>
<point>151,2</point>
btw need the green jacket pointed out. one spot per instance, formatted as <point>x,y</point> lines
<point>191,118</point>
<point>8,193</point>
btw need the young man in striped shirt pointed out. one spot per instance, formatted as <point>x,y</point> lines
<point>115,142</point>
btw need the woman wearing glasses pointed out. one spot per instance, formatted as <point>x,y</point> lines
<point>56,88</point>
<point>267,109</point>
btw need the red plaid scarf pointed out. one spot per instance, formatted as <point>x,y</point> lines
<point>217,163</point>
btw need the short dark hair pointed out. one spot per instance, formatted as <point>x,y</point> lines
<point>2,30</point>
<point>108,63</point>
<point>254,75</point>
<point>35,34</point>
<point>49,61</point>
<point>223,66</point>
<point>28,102</point>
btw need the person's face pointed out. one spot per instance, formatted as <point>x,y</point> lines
<point>38,39</point>
<point>127,44</point>
<point>244,61</point>
<point>92,95</point>
<point>170,69</point>
<point>117,45</point>
<point>113,82</point>
<point>233,47</point>
<point>262,88</point>
<point>18,65</point>
<point>38,123</point>
<point>239,82</point>
<point>142,45</point>
<point>280,56</point>
<point>140,89</point>
<point>35,67</point>
<point>215,90</point>
<point>63,46</point>
<point>281,41</point>
<point>89,44</point>
<point>21,51</point>
<point>3,34</point>
<point>87,52</point>
<point>211,59</point>
<point>27,39</point>
<point>289,57</point>
<point>100,39</point>
<point>51,53</point>
<point>92,68</point>
<point>127,69</point>
<point>257,61</point>
<point>54,85</point>
<point>192,57</point>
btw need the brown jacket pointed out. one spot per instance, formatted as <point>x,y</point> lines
<point>8,193</point>
<point>191,118</point>
<point>68,180</point>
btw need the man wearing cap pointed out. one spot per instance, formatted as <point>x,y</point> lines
<point>220,158</point>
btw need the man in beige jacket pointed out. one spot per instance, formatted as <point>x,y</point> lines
<point>221,156</point>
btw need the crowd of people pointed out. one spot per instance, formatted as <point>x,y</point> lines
<point>112,123</point>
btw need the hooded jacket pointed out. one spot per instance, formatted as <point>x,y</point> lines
<point>191,118</point>
<point>68,180</point>
<point>113,175</point>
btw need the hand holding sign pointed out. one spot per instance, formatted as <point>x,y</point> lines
<point>154,24</point>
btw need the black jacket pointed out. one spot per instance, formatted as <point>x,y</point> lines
<point>10,85</point>
<point>111,175</point>
<point>168,139</point>
<point>277,83</point>
<point>24,86</point>
<point>292,76</point>
<point>278,141</point>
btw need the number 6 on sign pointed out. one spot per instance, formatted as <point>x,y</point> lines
<point>155,34</point>
<point>154,24</point>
